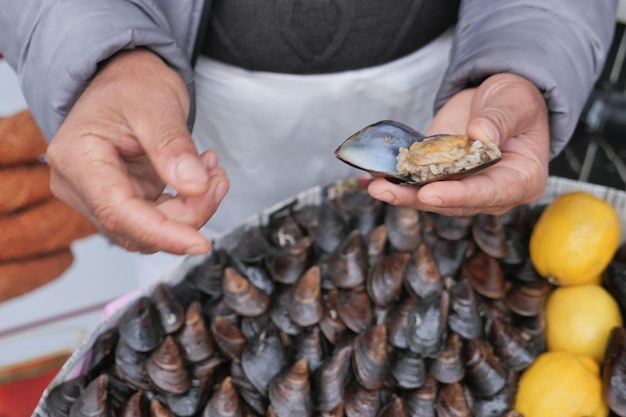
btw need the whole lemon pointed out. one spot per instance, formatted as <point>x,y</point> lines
<point>561,384</point>
<point>579,319</point>
<point>575,238</point>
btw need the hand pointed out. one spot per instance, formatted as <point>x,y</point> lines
<point>507,110</point>
<point>123,141</point>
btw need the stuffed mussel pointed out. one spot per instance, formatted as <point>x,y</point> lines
<point>395,151</point>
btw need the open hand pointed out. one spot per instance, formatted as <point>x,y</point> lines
<point>507,110</point>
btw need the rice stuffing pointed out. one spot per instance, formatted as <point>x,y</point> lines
<point>478,154</point>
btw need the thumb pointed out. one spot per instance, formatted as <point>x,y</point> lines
<point>175,158</point>
<point>504,105</point>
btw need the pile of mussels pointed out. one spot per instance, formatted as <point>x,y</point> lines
<point>349,308</point>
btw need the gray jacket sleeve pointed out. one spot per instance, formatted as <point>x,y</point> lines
<point>559,45</point>
<point>55,46</point>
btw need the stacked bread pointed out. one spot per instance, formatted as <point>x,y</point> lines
<point>36,229</point>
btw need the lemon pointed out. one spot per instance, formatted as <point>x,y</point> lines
<point>579,319</point>
<point>575,238</point>
<point>561,384</point>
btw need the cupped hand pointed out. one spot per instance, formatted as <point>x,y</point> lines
<point>124,140</point>
<point>507,110</point>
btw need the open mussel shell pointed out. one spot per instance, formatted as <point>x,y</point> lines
<point>376,147</point>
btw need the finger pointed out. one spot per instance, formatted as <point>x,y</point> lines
<point>147,229</point>
<point>174,156</point>
<point>453,116</point>
<point>506,106</point>
<point>495,190</point>
<point>196,211</point>
<point>109,198</point>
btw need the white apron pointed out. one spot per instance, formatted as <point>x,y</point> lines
<point>276,134</point>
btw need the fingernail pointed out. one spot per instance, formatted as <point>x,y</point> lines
<point>489,130</point>
<point>220,191</point>
<point>212,160</point>
<point>198,249</point>
<point>190,170</point>
<point>432,200</point>
<point>387,197</point>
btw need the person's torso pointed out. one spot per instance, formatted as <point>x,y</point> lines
<point>322,36</point>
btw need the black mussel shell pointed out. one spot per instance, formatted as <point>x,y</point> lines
<point>528,298</point>
<point>355,308</point>
<point>195,338</point>
<point>427,327</point>
<point>449,255</point>
<point>290,391</point>
<point>329,380</point>
<point>464,316</point>
<point>453,401</point>
<point>361,402</point>
<point>252,327</point>
<point>421,401</point>
<point>407,369</point>
<point>93,401</point>
<point>241,295</point>
<point>228,337</point>
<point>190,402</point>
<point>289,263</point>
<point>60,399</point>
<point>484,374</point>
<point>255,400</point>
<point>330,324</point>
<point>309,345</point>
<point>404,230</point>
<point>422,274</point>
<point>396,322</point>
<point>385,281</point>
<point>207,276</point>
<point>348,265</point>
<point>394,408</point>
<point>263,358</point>
<point>369,359</point>
<point>330,228</point>
<point>452,227</point>
<point>374,148</point>
<point>501,402</point>
<point>136,406</point>
<point>284,231</point>
<point>224,402</point>
<point>485,275</point>
<point>376,242</point>
<point>157,409</point>
<point>514,348</point>
<point>305,303</point>
<point>130,366</point>
<point>489,234</point>
<point>252,246</point>
<point>166,368</point>
<point>364,212</point>
<point>140,325</point>
<point>615,281</point>
<point>448,367</point>
<point>614,372</point>
<point>279,312</point>
<point>172,312</point>
<point>103,351</point>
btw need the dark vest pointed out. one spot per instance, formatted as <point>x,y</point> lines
<point>321,36</point>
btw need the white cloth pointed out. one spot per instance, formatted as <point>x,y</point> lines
<point>276,134</point>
